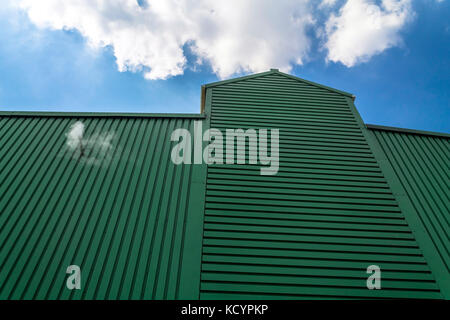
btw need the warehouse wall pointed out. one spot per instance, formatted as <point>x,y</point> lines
<point>420,162</point>
<point>120,215</point>
<point>141,227</point>
<point>311,230</point>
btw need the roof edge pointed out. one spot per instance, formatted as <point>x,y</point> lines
<point>318,85</point>
<point>276,71</point>
<point>250,76</point>
<point>411,131</point>
<point>99,114</point>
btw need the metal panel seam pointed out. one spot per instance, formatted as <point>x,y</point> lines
<point>192,251</point>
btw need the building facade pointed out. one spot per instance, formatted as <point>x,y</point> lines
<point>346,196</point>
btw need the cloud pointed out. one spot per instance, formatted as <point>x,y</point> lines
<point>327,3</point>
<point>363,29</point>
<point>232,36</point>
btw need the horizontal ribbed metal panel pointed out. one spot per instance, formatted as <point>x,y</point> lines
<point>421,163</point>
<point>311,230</point>
<point>119,214</point>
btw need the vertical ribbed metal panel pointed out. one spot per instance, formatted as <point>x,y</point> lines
<point>311,230</point>
<point>421,163</point>
<point>120,215</point>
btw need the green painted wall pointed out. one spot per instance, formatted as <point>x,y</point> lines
<point>311,230</point>
<point>345,197</point>
<point>420,166</point>
<point>124,216</point>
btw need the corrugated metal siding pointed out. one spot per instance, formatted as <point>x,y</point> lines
<point>311,230</point>
<point>421,163</point>
<point>120,217</point>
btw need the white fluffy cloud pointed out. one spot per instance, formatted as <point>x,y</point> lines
<point>327,3</point>
<point>231,35</point>
<point>363,29</point>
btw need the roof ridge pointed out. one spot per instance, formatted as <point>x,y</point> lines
<point>276,71</point>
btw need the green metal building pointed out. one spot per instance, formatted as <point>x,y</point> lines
<point>347,195</point>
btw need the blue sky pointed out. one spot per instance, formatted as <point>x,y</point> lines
<point>53,61</point>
